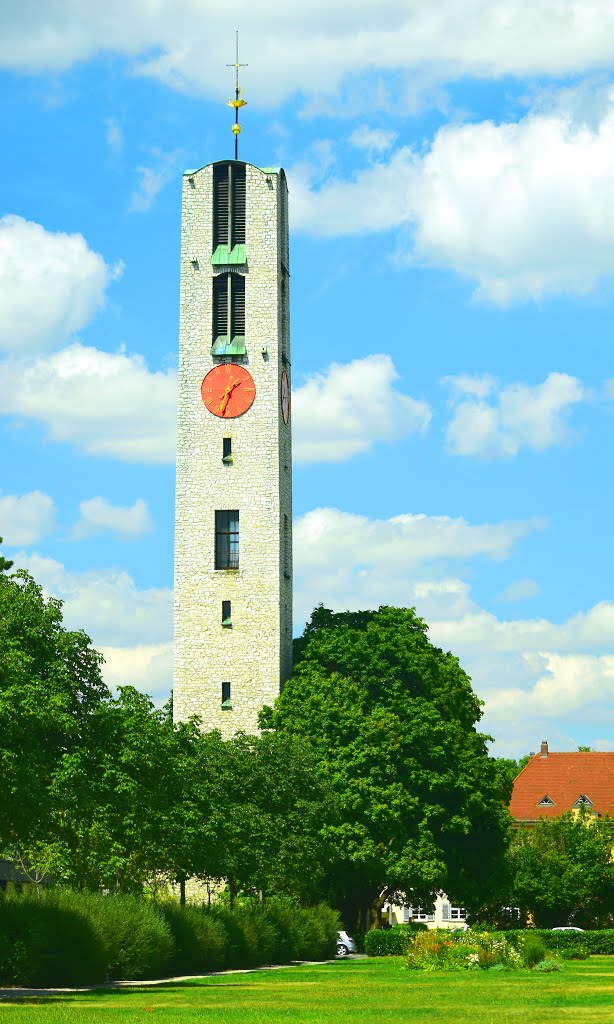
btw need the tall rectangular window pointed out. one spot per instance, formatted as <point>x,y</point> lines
<point>226,613</point>
<point>228,206</point>
<point>226,449</point>
<point>226,695</point>
<point>227,539</point>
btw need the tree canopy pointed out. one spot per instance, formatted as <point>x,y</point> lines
<point>392,720</point>
<point>561,870</point>
<point>103,789</point>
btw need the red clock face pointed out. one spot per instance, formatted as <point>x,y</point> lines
<point>228,390</point>
<point>284,394</point>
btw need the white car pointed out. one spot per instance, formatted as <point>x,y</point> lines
<point>345,944</point>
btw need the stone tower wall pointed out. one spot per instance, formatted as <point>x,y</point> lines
<point>255,654</point>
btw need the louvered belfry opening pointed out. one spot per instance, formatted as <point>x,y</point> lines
<point>237,304</point>
<point>237,191</point>
<point>229,205</point>
<point>228,306</point>
<point>220,306</point>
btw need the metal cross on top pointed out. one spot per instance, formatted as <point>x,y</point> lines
<point>237,103</point>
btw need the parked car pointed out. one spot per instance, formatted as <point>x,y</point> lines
<point>345,944</point>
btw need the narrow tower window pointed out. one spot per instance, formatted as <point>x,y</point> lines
<point>226,614</point>
<point>286,552</point>
<point>227,539</point>
<point>228,315</point>
<point>226,696</point>
<point>226,449</point>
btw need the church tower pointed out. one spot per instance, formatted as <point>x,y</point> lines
<point>233,526</point>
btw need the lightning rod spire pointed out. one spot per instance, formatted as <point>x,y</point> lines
<point>237,103</point>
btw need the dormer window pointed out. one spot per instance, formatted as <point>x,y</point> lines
<point>546,801</point>
<point>583,801</point>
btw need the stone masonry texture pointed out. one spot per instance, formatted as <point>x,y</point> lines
<point>255,654</point>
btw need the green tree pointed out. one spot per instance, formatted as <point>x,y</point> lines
<point>269,806</point>
<point>122,801</point>
<point>5,565</point>
<point>50,681</point>
<point>392,721</point>
<point>561,870</point>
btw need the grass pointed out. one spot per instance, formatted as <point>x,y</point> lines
<point>361,991</point>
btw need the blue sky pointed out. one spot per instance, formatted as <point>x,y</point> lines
<point>452,258</point>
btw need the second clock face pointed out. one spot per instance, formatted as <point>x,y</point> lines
<point>228,390</point>
<point>284,394</point>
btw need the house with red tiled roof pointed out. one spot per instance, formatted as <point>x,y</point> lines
<point>551,784</point>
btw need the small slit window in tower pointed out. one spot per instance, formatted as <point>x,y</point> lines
<point>227,539</point>
<point>228,315</point>
<point>226,701</point>
<point>228,214</point>
<point>227,449</point>
<point>226,614</point>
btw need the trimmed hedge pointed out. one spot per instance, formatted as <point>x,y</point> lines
<point>59,937</point>
<point>44,945</point>
<point>597,941</point>
<point>391,941</point>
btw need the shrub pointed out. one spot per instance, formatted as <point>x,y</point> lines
<point>575,952</point>
<point>548,966</point>
<point>596,941</point>
<point>388,942</point>
<point>42,944</point>
<point>241,939</point>
<point>318,933</point>
<point>437,950</point>
<point>531,948</point>
<point>199,939</point>
<point>136,939</point>
<point>59,937</point>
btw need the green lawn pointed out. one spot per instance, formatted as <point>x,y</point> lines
<point>378,991</point>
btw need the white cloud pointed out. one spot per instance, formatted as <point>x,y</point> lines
<point>492,422</point>
<point>25,518</point>
<point>569,684</point>
<point>586,632</point>
<point>106,603</point>
<point>310,48</point>
<point>520,590</point>
<point>539,679</point>
<point>132,628</point>
<point>114,134</point>
<point>51,284</point>
<point>373,139</point>
<point>378,198</point>
<point>97,515</point>
<point>102,403</point>
<point>343,411</point>
<point>153,179</point>
<point>350,561</point>
<point>148,667</point>
<point>525,210</point>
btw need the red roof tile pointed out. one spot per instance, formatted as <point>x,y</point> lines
<point>564,778</point>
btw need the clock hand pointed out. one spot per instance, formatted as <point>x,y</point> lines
<point>227,395</point>
<point>224,401</point>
